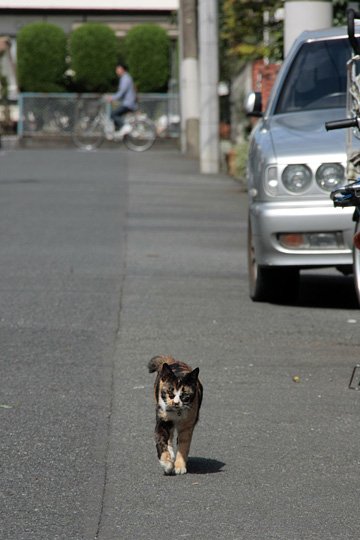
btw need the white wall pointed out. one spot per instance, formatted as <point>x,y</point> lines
<point>91,4</point>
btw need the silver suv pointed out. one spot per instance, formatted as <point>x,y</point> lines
<point>294,164</point>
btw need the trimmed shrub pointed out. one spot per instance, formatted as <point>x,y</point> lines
<point>148,57</point>
<point>41,54</point>
<point>93,51</point>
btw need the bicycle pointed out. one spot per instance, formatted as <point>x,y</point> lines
<point>93,125</point>
<point>349,194</point>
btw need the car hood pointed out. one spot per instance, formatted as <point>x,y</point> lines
<point>304,133</point>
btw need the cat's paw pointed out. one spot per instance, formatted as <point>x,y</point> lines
<point>168,466</point>
<point>180,469</point>
<point>180,464</point>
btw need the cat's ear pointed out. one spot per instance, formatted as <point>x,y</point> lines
<point>193,376</point>
<point>166,373</point>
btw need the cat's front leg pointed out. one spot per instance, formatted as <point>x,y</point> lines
<point>184,441</point>
<point>163,438</point>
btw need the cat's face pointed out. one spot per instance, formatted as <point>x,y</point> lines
<point>177,394</point>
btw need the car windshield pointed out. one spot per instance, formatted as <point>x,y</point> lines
<point>317,77</point>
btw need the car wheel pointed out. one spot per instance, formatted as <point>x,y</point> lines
<point>273,284</point>
<point>356,262</point>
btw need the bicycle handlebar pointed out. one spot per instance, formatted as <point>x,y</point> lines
<point>344,123</point>
<point>348,195</point>
<point>351,16</point>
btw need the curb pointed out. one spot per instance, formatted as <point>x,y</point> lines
<point>65,141</point>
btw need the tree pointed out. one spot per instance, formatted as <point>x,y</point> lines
<point>93,51</point>
<point>41,54</point>
<point>339,12</point>
<point>147,49</point>
<point>243,25</point>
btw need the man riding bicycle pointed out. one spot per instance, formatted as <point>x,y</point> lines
<point>126,93</point>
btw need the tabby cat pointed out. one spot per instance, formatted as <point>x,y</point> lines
<point>178,395</point>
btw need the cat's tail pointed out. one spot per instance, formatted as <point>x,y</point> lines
<point>157,362</point>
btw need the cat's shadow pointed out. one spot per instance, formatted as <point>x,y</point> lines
<point>199,465</point>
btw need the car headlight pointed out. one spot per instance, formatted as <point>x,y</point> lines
<point>271,181</point>
<point>330,175</point>
<point>297,178</point>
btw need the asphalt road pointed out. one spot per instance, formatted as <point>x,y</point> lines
<point>109,258</point>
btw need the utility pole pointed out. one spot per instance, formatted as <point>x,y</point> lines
<point>305,15</point>
<point>189,79</point>
<point>209,80</point>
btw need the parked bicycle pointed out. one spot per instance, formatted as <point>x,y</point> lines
<point>93,125</point>
<point>349,194</point>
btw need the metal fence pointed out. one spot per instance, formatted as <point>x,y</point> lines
<point>51,114</point>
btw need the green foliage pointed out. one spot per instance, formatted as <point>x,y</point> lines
<point>121,51</point>
<point>41,53</point>
<point>242,151</point>
<point>4,87</point>
<point>148,57</point>
<point>242,30</point>
<point>93,51</point>
<point>339,12</point>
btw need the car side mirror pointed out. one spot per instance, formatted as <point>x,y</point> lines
<point>253,104</point>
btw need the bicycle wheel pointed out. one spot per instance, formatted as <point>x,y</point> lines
<point>88,132</point>
<point>141,137</point>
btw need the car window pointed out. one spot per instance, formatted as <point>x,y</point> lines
<point>317,77</point>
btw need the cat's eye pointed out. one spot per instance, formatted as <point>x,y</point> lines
<point>185,398</point>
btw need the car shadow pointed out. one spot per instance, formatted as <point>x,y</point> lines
<point>199,465</point>
<point>327,291</point>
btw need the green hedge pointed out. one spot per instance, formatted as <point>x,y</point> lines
<point>41,53</point>
<point>147,48</point>
<point>93,52</point>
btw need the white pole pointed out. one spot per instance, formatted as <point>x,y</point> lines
<point>189,79</point>
<point>209,79</point>
<point>305,15</point>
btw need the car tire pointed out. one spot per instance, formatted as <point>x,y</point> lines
<point>356,265</point>
<point>278,284</point>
